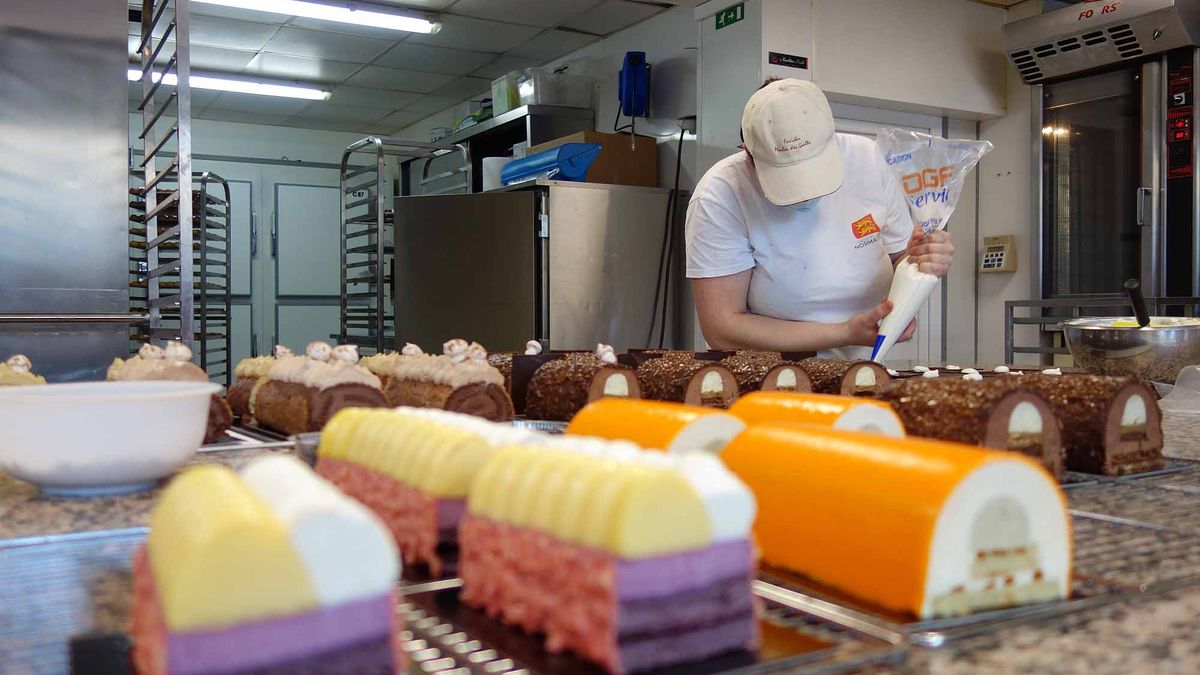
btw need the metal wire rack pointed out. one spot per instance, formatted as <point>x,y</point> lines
<point>366,317</point>
<point>166,135</point>
<point>209,266</point>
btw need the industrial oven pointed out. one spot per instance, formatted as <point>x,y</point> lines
<point>1115,118</point>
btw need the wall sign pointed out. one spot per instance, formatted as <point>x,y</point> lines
<point>788,60</point>
<point>730,15</point>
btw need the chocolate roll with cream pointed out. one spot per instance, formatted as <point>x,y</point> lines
<point>683,379</point>
<point>766,371</point>
<point>301,393</point>
<point>173,362</point>
<point>997,413</point>
<point>1110,425</point>
<point>562,387</point>
<point>459,380</point>
<point>846,378</point>
<point>249,374</point>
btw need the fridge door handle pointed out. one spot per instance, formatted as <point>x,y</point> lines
<point>253,233</point>
<point>1144,217</point>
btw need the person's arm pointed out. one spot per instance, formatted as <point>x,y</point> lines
<point>728,324</point>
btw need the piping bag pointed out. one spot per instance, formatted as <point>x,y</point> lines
<point>931,171</point>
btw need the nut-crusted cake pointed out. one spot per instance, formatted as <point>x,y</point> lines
<point>846,378</point>
<point>562,387</point>
<point>683,378</point>
<point>766,371</point>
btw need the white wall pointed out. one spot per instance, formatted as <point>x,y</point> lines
<point>255,141</point>
<point>938,56</point>
<point>1005,181</point>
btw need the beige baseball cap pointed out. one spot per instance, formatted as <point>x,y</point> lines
<point>788,130</point>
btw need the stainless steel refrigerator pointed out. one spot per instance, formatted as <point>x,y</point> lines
<point>573,264</point>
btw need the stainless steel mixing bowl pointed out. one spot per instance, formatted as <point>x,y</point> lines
<point>1156,352</point>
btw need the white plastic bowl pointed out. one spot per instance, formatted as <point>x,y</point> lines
<point>101,437</point>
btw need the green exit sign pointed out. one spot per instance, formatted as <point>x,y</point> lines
<point>730,15</point>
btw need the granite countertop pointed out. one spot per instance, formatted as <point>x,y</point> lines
<point>1153,634</point>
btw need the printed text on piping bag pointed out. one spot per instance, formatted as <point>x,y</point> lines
<point>931,171</point>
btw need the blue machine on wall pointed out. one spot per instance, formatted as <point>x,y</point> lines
<point>633,85</point>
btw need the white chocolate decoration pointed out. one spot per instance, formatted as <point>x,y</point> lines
<point>20,364</point>
<point>346,550</point>
<point>346,353</point>
<point>616,385</point>
<point>786,378</point>
<point>1134,413</point>
<point>893,372</point>
<point>411,350</point>
<point>1052,371</point>
<point>1017,372</point>
<point>920,369</point>
<point>972,376</point>
<point>177,351</point>
<point>605,353</point>
<point>969,371</point>
<point>476,352</point>
<point>456,349</point>
<point>1000,369</point>
<point>951,366</point>
<point>865,377</point>
<point>1025,419</point>
<point>712,383</point>
<point>930,374</point>
<point>318,351</point>
<point>281,352</point>
<point>533,348</point>
<point>149,351</point>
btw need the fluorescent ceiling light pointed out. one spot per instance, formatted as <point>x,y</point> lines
<point>346,13</point>
<point>240,86</point>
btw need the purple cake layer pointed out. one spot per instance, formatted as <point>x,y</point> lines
<point>375,657</point>
<point>449,512</point>
<point>265,643</point>
<point>686,610</point>
<point>737,633</point>
<point>671,574</point>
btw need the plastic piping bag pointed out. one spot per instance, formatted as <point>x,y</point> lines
<point>931,171</point>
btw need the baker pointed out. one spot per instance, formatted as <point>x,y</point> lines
<point>791,244</point>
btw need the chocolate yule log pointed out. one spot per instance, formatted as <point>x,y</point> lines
<point>1110,425</point>
<point>684,379</point>
<point>503,362</point>
<point>562,387</point>
<point>460,380</point>
<point>302,393</point>
<point>997,413</point>
<point>847,378</point>
<point>173,362</point>
<point>766,371</point>
<point>249,374</point>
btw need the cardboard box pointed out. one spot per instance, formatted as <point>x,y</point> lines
<point>617,163</point>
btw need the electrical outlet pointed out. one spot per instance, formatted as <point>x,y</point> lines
<point>688,124</point>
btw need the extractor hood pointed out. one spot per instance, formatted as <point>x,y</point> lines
<point>1099,33</point>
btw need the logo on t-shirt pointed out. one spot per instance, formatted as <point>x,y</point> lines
<point>864,226</point>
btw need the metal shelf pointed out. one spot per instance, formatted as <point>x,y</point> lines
<point>515,115</point>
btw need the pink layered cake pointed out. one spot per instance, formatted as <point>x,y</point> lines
<point>412,467</point>
<point>631,559</point>
<point>272,571</point>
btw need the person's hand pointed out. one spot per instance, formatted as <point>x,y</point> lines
<point>863,328</point>
<point>931,253</point>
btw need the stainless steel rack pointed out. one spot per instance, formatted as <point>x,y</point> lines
<point>209,266</point>
<point>166,135</point>
<point>367,254</point>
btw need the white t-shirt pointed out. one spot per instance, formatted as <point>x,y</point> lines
<point>823,260</point>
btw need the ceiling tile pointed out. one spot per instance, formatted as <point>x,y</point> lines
<point>264,105</point>
<point>240,116</point>
<point>343,113</point>
<point>215,59</point>
<point>373,98</point>
<point>611,16</point>
<point>207,30</point>
<point>399,80</point>
<point>433,59</point>
<point>328,125</point>
<point>465,87</point>
<point>431,104</point>
<point>324,45</point>
<point>544,13</point>
<point>463,32</point>
<point>504,64</point>
<point>202,9</point>
<point>300,68</point>
<point>349,29</point>
<point>398,120</point>
<point>552,44</point>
